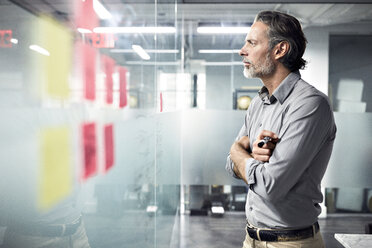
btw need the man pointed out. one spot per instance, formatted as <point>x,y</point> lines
<point>284,174</point>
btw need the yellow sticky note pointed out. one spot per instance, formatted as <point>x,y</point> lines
<point>56,173</point>
<point>56,42</point>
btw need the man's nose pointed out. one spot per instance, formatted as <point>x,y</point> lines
<point>243,51</point>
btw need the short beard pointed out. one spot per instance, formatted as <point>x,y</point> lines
<point>266,68</point>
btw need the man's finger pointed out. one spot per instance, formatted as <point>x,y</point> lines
<point>269,145</point>
<point>267,133</point>
<point>261,151</point>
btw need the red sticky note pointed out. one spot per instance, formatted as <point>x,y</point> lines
<point>109,65</point>
<point>89,150</point>
<point>86,17</point>
<point>5,37</point>
<point>123,100</point>
<point>109,146</point>
<point>89,71</point>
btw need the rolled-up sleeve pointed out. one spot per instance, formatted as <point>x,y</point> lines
<point>308,128</point>
<point>229,163</point>
<point>250,168</point>
<point>230,167</point>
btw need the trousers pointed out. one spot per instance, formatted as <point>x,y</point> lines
<point>16,240</point>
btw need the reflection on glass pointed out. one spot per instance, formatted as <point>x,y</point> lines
<point>122,181</point>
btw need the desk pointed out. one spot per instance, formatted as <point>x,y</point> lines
<point>354,240</point>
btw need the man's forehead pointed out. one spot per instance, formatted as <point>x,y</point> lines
<point>257,29</point>
<point>247,36</point>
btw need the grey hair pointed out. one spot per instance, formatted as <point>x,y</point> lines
<point>284,27</point>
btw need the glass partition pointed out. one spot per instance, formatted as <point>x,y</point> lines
<point>84,144</point>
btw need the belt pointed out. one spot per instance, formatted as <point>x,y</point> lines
<point>46,230</point>
<point>273,235</point>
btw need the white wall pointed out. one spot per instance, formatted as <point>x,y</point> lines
<point>317,55</point>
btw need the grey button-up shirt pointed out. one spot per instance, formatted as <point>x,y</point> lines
<point>285,191</point>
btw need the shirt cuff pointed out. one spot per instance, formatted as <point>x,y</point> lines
<point>230,167</point>
<point>250,168</point>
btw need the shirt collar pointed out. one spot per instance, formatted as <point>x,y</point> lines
<point>264,95</point>
<point>283,90</point>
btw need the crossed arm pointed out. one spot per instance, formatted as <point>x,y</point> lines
<point>239,152</point>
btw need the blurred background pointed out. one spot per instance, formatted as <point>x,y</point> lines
<point>125,110</point>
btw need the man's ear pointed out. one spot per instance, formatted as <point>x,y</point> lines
<point>281,49</point>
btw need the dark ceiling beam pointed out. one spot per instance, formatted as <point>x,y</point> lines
<point>26,6</point>
<point>276,1</point>
<point>30,7</point>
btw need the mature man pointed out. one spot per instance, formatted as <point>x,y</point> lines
<point>284,174</point>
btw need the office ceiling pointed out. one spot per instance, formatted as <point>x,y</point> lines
<point>314,12</point>
<point>188,14</point>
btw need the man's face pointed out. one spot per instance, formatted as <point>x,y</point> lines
<point>255,52</point>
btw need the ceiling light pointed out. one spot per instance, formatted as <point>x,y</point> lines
<point>136,30</point>
<point>227,63</point>
<point>142,53</point>
<point>40,50</point>
<point>223,30</point>
<point>162,51</point>
<point>100,10</point>
<point>148,51</point>
<point>220,51</point>
<point>84,31</point>
<point>14,41</point>
<point>158,63</point>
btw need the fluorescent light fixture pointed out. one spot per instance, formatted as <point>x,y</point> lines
<point>219,51</point>
<point>150,63</point>
<point>14,41</point>
<point>223,30</point>
<point>162,51</point>
<point>84,31</point>
<point>40,50</point>
<point>136,30</point>
<point>100,10</point>
<point>148,51</point>
<point>142,53</point>
<point>227,63</point>
<point>122,51</point>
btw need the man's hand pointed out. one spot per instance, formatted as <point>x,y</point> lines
<point>239,155</point>
<point>264,153</point>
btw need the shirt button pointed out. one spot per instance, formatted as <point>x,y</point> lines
<point>250,208</point>
<point>260,124</point>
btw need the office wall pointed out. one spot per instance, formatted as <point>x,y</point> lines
<point>317,51</point>
<point>350,58</point>
<point>218,88</point>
